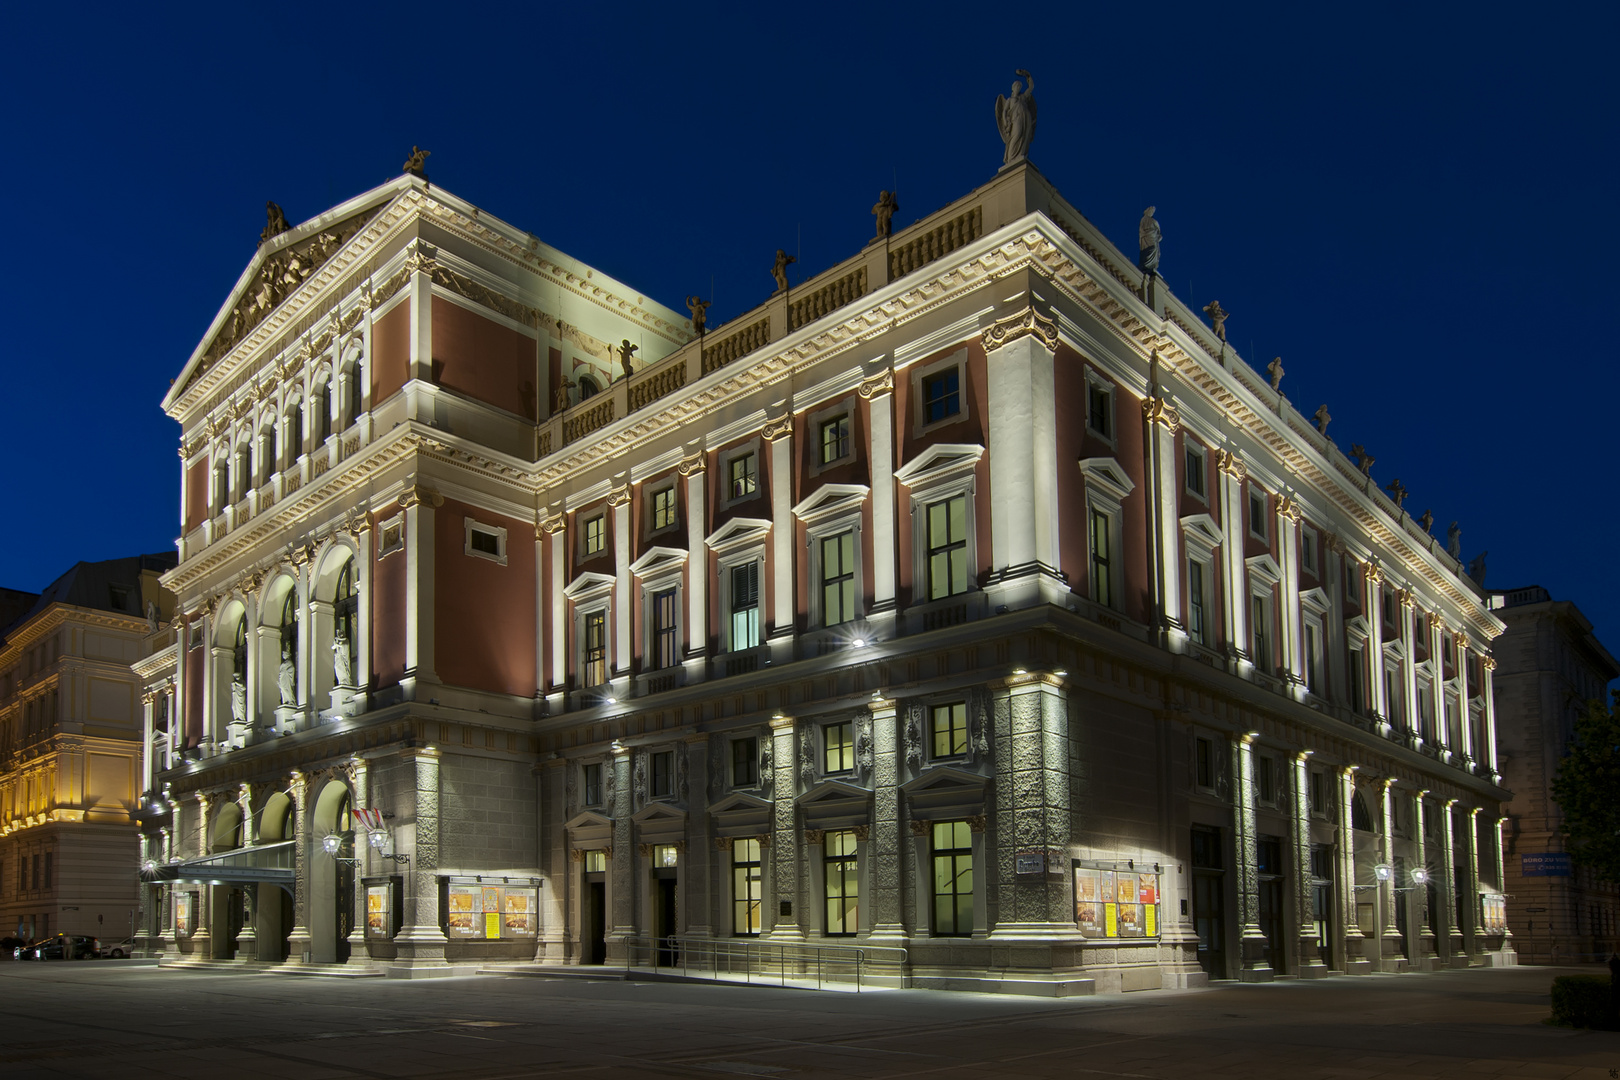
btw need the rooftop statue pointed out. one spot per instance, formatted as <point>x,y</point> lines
<point>1397,491</point>
<point>885,209</point>
<point>1428,521</point>
<point>1454,542</point>
<point>779,269</point>
<point>1218,316</point>
<point>626,351</point>
<point>1148,235</point>
<point>416,164</point>
<point>1364,460</point>
<point>1015,119</point>
<point>1476,568</point>
<point>275,222</point>
<point>698,306</point>
<point>1276,372</point>
<point>1323,419</point>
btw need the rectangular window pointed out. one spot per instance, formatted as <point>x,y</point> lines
<point>942,396</point>
<point>744,606</point>
<point>1100,410</point>
<point>1358,680</point>
<point>1205,764</point>
<point>595,534</point>
<point>595,648</point>
<point>1307,549</point>
<point>947,548</point>
<point>1319,793</point>
<point>1260,637</point>
<point>1265,774</point>
<point>36,871</point>
<point>745,887</point>
<point>596,861</point>
<point>1313,657</point>
<point>1102,582</point>
<point>664,629</point>
<point>663,508</point>
<point>950,729</point>
<point>663,774</point>
<point>838,579</point>
<point>838,743</point>
<point>1393,698</point>
<point>953,879</point>
<point>1257,515</point>
<point>1196,628</point>
<point>483,542</point>
<point>835,439</point>
<point>593,785</point>
<point>1197,471</point>
<point>843,883</point>
<point>744,762</point>
<point>743,478</point>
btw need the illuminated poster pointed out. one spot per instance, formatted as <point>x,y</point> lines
<point>182,913</point>
<point>490,912</point>
<point>1116,903</point>
<point>461,909</point>
<point>1111,915</point>
<point>1085,900</point>
<point>377,910</point>
<point>519,913</point>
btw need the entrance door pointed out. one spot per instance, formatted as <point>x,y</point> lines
<point>1209,903</point>
<point>666,927</point>
<point>595,922</point>
<point>234,908</point>
<point>1322,900</point>
<point>1401,921</point>
<point>345,904</point>
<point>1269,871</point>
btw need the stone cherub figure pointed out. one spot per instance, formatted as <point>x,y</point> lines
<point>1148,236</point>
<point>1218,316</point>
<point>626,351</point>
<point>1275,372</point>
<point>416,164</point>
<point>275,222</point>
<point>884,210</point>
<point>1476,568</point>
<point>1323,419</point>
<point>1364,460</point>
<point>1428,521</point>
<point>779,269</point>
<point>1454,542</point>
<point>698,306</point>
<point>1015,119</point>
<point>287,677</point>
<point>342,662</point>
<point>1398,492</point>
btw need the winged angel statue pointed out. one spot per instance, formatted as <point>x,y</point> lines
<point>1015,116</point>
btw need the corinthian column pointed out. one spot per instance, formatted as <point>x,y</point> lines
<point>1247,857</point>
<point>298,939</point>
<point>1310,952</point>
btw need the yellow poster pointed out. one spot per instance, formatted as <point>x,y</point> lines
<point>1152,920</point>
<point>1111,919</point>
<point>492,924</point>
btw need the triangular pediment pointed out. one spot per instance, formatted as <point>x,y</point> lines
<point>942,461</point>
<point>658,560</point>
<point>1107,475</point>
<point>833,791</point>
<point>588,819</point>
<point>831,500</point>
<point>739,800</point>
<point>659,814</point>
<point>738,532</point>
<point>1201,531</point>
<point>943,779</point>
<point>1263,570</point>
<point>587,584</point>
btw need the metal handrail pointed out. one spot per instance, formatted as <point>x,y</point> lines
<point>764,959</point>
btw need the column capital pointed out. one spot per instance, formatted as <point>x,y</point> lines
<point>1021,324</point>
<point>877,385</point>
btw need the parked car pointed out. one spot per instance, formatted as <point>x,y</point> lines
<point>118,950</point>
<point>41,950</point>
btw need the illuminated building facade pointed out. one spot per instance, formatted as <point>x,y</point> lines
<point>968,598</point>
<point>70,749</point>
<point>1550,665</point>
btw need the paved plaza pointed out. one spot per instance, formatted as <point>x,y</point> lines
<point>129,1019</point>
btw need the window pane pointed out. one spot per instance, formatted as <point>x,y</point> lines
<point>950,729</point>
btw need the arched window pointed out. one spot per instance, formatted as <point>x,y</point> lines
<point>1360,817</point>
<point>321,402</point>
<point>268,454</point>
<point>222,487</point>
<point>587,387</point>
<point>346,622</point>
<point>295,432</point>
<point>356,394</point>
<point>244,466</point>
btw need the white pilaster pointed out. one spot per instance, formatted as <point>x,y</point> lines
<point>1163,495</point>
<point>1234,581</point>
<point>1022,423</point>
<point>881,450</point>
<point>782,530</point>
<point>623,581</point>
<point>697,562</point>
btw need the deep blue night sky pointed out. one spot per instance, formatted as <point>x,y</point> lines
<point>1414,208</point>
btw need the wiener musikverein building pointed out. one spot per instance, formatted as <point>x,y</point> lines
<point>970,602</point>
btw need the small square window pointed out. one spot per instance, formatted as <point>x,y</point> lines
<point>663,508</point>
<point>486,541</point>
<point>1197,471</point>
<point>742,476</point>
<point>835,439</point>
<point>665,856</point>
<point>595,534</point>
<point>1257,515</point>
<point>950,729</point>
<point>744,762</point>
<point>1100,409</point>
<point>942,398</point>
<point>663,774</point>
<point>839,743</point>
<point>596,862</point>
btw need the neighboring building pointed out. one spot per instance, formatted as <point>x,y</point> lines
<point>70,749</point>
<point>969,597</point>
<point>1549,665</point>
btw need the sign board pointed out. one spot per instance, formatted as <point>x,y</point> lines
<point>1030,862</point>
<point>1545,864</point>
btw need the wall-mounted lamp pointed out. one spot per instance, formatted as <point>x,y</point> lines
<point>332,843</point>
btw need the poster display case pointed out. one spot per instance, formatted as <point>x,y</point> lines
<point>1116,900</point>
<point>1494,913</point>
<point>185,906</point>
<point>384,906</point>
<point>477,911</point>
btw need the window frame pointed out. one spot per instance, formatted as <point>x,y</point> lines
<point>586,551</point>
<point>954,854</point>
<point>661,786</point>
<point>1259,499</point>
<point>845,748</point>
<point>1198,602</point>
<point>654,591</point>
<point>498,532</point>
<point>748,909</point>
<point>922,374</point>
<point>848,864</point>
<point>738,454</point>
<point>1107,488</point>
<point>585,785</point>
<point>654,496</point>
<point>1101,388</point>
<point>953,730</point>
<point>752,742</point>
<point>725,565</point>
<point>845,524</point>
<point>964,545</point>
<point>1191,450</point>
<point>848,409</point>
<point>586,615</point>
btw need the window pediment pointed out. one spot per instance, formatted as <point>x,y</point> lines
<point>589,585</point>
<point>1201,533</point>
<point>833,793</point>
<point>831,500</point>
<point>945,791</point>
<point>588,819</point>
<point>740,801</point>
<point>1263,570</point>
<point>1108,476</point>
<point>659,814</point>
<point>658,560</point>
<point>1315,600</point>
<point>939,463</point>
<point>738,533</point>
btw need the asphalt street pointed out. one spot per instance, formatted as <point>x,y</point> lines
<point>128,1019</point>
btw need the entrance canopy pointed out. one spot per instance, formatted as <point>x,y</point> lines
<point>271,863</point>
